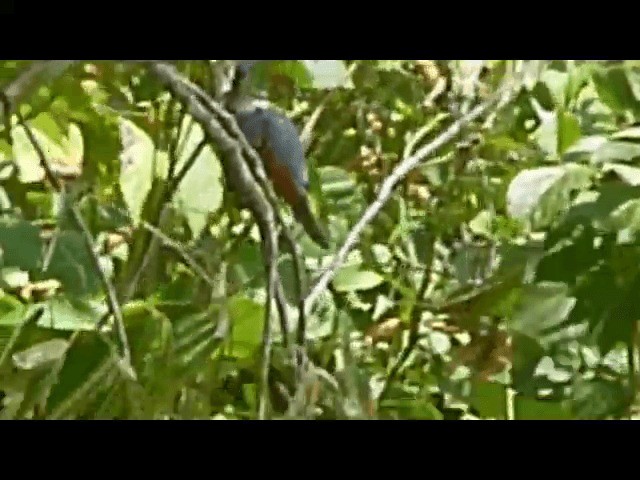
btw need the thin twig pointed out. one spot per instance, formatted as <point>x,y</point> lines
<point>417,137</point>
<point>128,291</point>
<point>175,181</point>
<point>497,100</point>
<point>176,247</point>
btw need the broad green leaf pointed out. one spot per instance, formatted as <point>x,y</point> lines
<point>557,132</point>
<point>633,77</point>
<point>26,157</point>
<point>336,182</point>
<point>40,354</point>
<point>20,244</point>
<point>571,253</point>
<point>136,166</point>
<point>383,305</point>
<point>71,314</point>
<point>534,409</point>
<point>490,400</point>
<point>466,306</point>
<point>541,193</point>
<point>615,151</point>
<point>629,175</point>
<point>598,399</point>
<point>482,224</point>
<point>246,264</point>
<point>293,69</point>
<point>86,373</point>
<point>542,312</point>
<point>45,123</point>
<point>195,339</point>
<point>13,278</point>
<point>72,265</point>
<point>568,131</point>
<point>74,143</point>
<point>12,310</point>
<point>586,145</point>
<point>631,133</point>
<point>620,313</point>
<point>351,279</point>
<point>200,192</point>
<point>626,221</point>
<point>614,89</point>
<point>597,207</point>
<point>247,321</point>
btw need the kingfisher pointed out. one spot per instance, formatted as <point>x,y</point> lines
<point>277,141</point>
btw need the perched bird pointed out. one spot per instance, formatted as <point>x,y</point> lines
<point>277,141</point>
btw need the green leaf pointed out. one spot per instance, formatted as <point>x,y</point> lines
<point>490,399</point>
<point>72,265</point>
<point>194,339</point>
<point>247,317</point>
<point>614,151</point>
<point>136,166</point>
<point>200,192</point>
<point>40,354</point>
<point>336,183</point>
<point>534,409</point>
<point>557,132</point>
<point>586,145</point>
<point>568,131</point>
<point>26,157</point>
<point>45,123</point>
<point>598,399</point>
<point>556,82</point>
<point>629,175</point>
<point>86,373</point>
<point>542,311</point>
<point>614,89</point>
<point>293,69</point>
<point>541,193</point>
<point>13,278</point>
<point>351,279</point>
<point>74,143</point>
<point>621,312</point>
<point>20,244</point>
<point>482,224</point>
<point>631,133</point>
<point>72,314</point>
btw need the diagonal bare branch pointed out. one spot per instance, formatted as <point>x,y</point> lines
<point>503,95</point>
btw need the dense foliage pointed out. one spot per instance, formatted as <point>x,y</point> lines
<point>498,281</point>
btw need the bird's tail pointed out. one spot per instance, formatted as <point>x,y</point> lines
<point>303,214</point>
